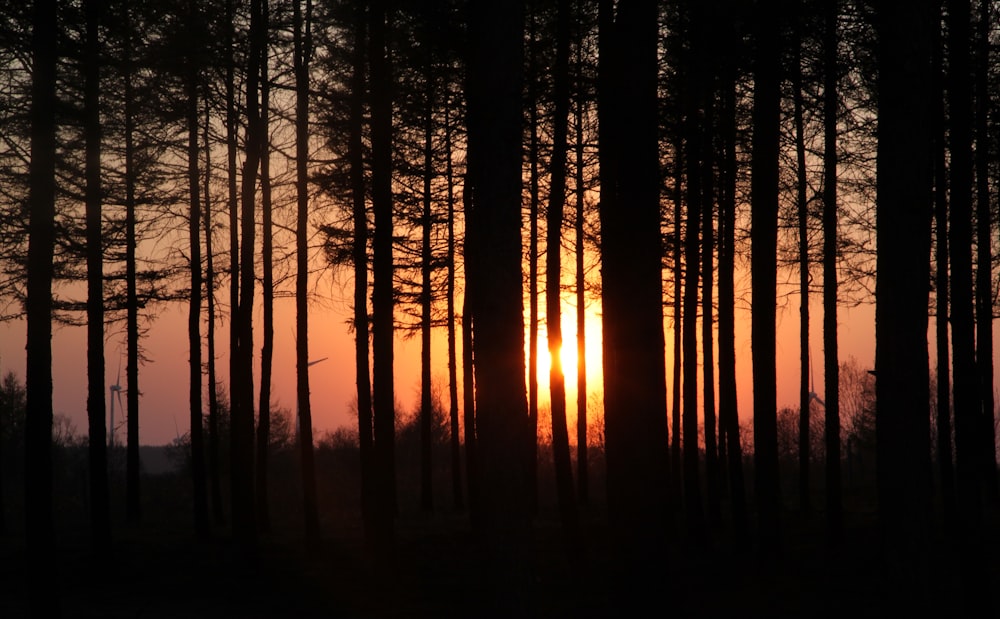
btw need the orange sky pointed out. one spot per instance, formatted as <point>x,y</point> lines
<point>164,379</point>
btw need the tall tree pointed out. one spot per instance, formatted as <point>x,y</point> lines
<point>426,296</point>
<point>693,157</point>
<point>360,259</point>
<point>496,32</point>
<point>458,495</point>
<point>303,51</point>
<point>553,272</point>
<point>831,365</point>
<point>763,267</point>
<point>382,276</point>
<point>968,411</point>
<point>242,422</point>
<point>133,505</point>
<point>802,207</point>
<point>192,83</point>
<point>582,468</point>
<point>984,255</point>
<point>214,473</point>
<point>944,454</point>
<point>100,513</point>
<point>38,310</point>
<point>632,298</point>
<point>533,216</point>
<point>267,286</point>
<point>728,405</point>
<point>903,234</point>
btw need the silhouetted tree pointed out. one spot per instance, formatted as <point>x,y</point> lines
<point>553,271</point>
<point>763,266</point>
<point>303,51</point>
<point>267,284</point>
<point>831,364</point>
<point>38,310</point>
<point>100,512</point>
<point>634,372</point>
<point>905,36</point>
<point>494,286</point>
<point>382,277</point>
<point>192,87</point>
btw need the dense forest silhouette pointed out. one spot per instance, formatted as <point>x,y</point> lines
<point>459,163</point>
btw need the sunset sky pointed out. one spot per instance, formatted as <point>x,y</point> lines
<point>164,379</point>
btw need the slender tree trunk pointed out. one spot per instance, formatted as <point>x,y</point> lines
<point>234,237</point>
<point>133,504</point>
<point>382,293</point>
<point>244,516</point>
<point>676,465</point>
<point>458,496</point>
<point>42,599</point>
<point>360,257</point>
<point>984,255</point>
<point>634,368</point>
<point>100,516</point>
<point>303,54</point>
<point>968,407</point>
<point>553,271</point>
<point>763,266</point>
<point>426,404</point>
<point>694,154</point>
<point>497,301</point>
<point>728,405</point>
<point>214,474</point>
<point>831,362</point>
<point>802,205</point>
<point>194,309</point>
<point>707,307</point>
<point>901,293</point>
<point>582,468</point>
<point>945,455</point>
<point>533,215</point>
<point>267,293</point>
<point>468,385</point>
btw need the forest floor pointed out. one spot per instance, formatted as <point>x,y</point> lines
<point>156,572</point>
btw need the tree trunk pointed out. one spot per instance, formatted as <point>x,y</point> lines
<point>533,215</point>
<point>458,496</point>
<point>267,291</point>
<point>693,157</point>
<point>582,452</point>
<point>553,272</point>
<point>100,516</point>
<point>214,473</point>
<point>234,237</point>
<point>133,505</point>
<point>903,237</point>
<point>497,301</point>
<point>763,266</point>
<point>728,405</point>
<point>382,280</point>
<point>945,436</point>
<point>360,258</point>
<point>984,256</point>
<point>426,404</point>
<point>831,362</point>
<point>194,309</point>
<point>242,448</point>
<point>302,34</point>
<point>634,368</point>
<point>802,206</point>
<point>42,597</point>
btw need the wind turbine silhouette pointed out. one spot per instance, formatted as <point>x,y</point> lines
<point>812,385</point>
<point>116,393</point>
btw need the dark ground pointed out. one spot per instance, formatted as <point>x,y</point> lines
<point>159,573</point>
